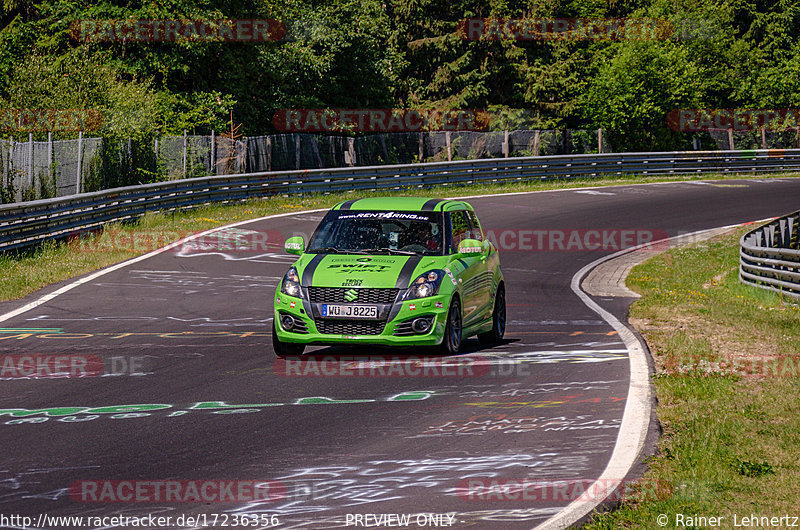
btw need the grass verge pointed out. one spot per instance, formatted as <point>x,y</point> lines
<point>727,361</point>
<point>26,272</point>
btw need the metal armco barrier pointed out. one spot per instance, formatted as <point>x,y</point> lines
<point>25,224</point>
<point>769,257</point>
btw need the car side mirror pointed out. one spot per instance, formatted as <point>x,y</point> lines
<point>295,245</point>
<point>470,247</point>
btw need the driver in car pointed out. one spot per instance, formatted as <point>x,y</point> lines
<point>419,233</point>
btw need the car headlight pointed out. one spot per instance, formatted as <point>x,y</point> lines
<point>425,285</point>
<point>291,284</point>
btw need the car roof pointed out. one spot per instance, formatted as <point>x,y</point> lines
<point>409,204</point>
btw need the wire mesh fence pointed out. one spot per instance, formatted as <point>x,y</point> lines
<point>42,169</point>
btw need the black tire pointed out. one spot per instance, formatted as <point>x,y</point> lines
<point>451,342</point>
<point>285,349</point>
<point>498,319</point>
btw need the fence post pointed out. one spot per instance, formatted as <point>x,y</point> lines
<point>80,162</point>
<point>213,152</point>
<point>763,137</point>
<point>536,142</point>
<point>30,162</point>
<point>600,141</point>
<point>730,140</point>
<point>350,156</point>
<point>447,139</point>
<point>269,153</point>
<point>185,147</point>
<point>297,151</point>
<point>505,143</point>
<point>50,171</point>
<point>6,165</point>
<point>695,144</point>
<point>315,151</point>
<point>155,149</point>
<point>10,181</point>
<point>422,146</point>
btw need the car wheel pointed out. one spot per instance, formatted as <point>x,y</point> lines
<point>498,319</point>
<point>451,342</point>
<point>285,349</point>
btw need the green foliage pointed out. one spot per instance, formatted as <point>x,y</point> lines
<point>403,53</point>
<point>635,88</point>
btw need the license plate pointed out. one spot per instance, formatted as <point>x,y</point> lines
<point>350,311</point>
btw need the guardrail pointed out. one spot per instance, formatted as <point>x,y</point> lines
<point>769,256</point>
<point>28,223</point>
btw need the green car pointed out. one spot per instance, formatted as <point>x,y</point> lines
<point>392,271</point>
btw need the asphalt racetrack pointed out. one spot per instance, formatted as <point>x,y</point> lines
<point>179,383</point>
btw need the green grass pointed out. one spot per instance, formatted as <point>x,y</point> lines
<point>730,417</point>
<point>27,272</point>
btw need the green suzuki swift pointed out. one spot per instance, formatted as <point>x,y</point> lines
<point>392,271</point>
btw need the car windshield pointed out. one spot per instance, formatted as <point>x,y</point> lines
<point>379,232</point>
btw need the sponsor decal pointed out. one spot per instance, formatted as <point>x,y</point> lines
<point>409,216</point>
<point>412,307</point>
<point>438,305</point>
<point>361,267</point>
<point>292,304</point>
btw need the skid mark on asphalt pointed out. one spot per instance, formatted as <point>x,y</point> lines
<point>191,322</point>
<point>315,489</point>
<point>490,424</point>
<point>190,283</point>
<point>9,334</point>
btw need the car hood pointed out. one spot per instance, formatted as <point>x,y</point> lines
<point>355,270</point>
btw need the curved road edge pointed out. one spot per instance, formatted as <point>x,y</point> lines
<point>639,404</point>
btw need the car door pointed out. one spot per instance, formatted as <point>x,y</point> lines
<point>484,280</point>
<point>466,268</point>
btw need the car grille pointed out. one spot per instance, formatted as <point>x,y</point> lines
<point>350,327</point>
<point>335,295</point>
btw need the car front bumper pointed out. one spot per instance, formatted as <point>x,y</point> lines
<point>394,331</point>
